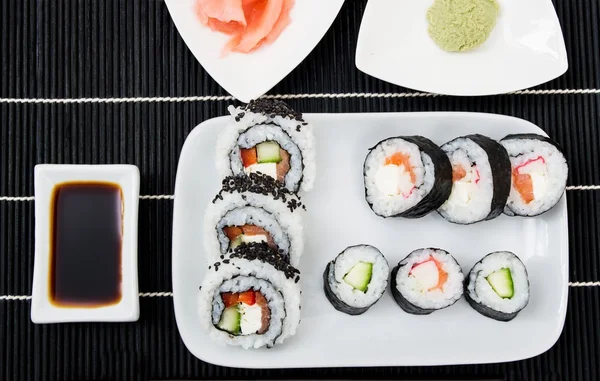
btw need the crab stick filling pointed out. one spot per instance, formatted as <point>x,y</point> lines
<point>464,184</point>
<point>396,176</point>
<point>530,179</point>
<point>247,234</point>
<point>429,275</point>
<point>267,158</point>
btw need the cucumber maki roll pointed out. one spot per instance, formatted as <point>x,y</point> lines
<point>268,137</point>
<point>427,280</point>
<point>480,179</point>
<point>254,208</point>
<point>407,176</point>
<point>356,279</point>
<point>498,286</point>
<point>539,174</point>
<point>251,298</point>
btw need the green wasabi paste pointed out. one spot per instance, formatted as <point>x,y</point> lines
<point>461,25</point>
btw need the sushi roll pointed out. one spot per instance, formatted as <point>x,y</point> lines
<point>407,176</point>
<point>254,208</point>
<point>539,174</point>
<point>251,298</point>
<point>427,280</point>
<point>268,137</point>
<point>480,179</point>
<point>356,279</point>
<point>498,286</point>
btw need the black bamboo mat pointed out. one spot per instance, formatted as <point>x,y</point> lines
<point>119,54</point>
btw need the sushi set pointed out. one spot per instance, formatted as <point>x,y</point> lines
<point>381,239</point>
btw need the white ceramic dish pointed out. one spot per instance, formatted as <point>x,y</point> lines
<point>47,176</point>
<point>525,49</point>
<point>338,216</point>
<point>248,76</point>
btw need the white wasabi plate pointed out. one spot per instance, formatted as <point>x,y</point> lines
<point>248,76</point>
<point>337,217</point>
<point>525,49</point>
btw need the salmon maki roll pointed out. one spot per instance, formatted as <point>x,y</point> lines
<point>406,176</point>
<point>427,280</point>
<point>480,179</point>
<point>539,174</point>
<point>269,138</point>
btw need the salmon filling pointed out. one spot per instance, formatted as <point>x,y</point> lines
<point>267,158</point>
<point>529,179</point>
<point>245,313</point>
<point>246,234</point>
<point>459,173</point>
<point>429,274</point>
<point>396,176</point>
<point>464,185</point>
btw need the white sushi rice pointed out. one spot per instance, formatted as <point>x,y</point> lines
<point>389,205</point>
<point>254,272</point>
<point>549,185</point>
<point>469,201</point>
<point>276,218</point>
<point>344,263</point>
<point>259,128</point>
<point>481,291</point>
<point>430,299</point>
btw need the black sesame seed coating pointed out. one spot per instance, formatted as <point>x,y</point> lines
<point>262,252</point>
<point>272,108</point>
<point>259,184</point>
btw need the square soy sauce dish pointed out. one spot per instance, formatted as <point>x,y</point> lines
<point>85,244</point>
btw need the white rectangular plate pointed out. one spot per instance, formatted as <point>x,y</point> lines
<point>525,49</point>
<point>338,216</point>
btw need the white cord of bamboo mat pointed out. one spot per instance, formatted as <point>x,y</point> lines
<point>219,98</point>
<point>168,294</point>
<point>163,294</point>
<point>171,197</point>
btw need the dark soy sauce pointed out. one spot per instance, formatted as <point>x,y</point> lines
<point>86,243</point>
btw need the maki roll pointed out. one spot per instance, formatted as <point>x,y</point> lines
<point>498,286</point>
<point>268,137</point>
<point>251,298</point>
<point>254,208</point>
<point>427,280</point>
<point>539,174</point>
<point>356,279</point>
<point>480,179</point>
<point>407,176</point>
